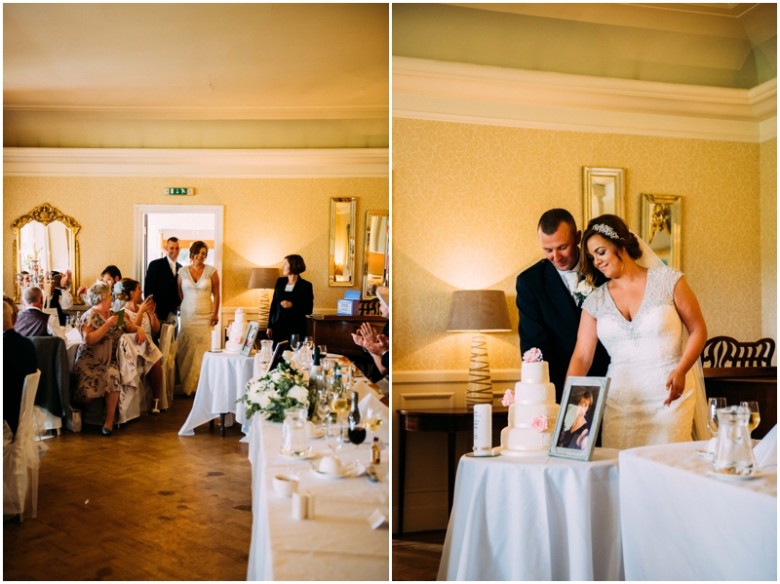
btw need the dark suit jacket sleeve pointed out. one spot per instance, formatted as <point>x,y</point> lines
<point>533,330</point>
<point>273,310</point>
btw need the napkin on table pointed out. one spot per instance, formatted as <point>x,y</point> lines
<point>765,452</point>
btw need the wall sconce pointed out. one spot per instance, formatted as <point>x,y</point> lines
<point>263,279</point>
<point>479,311</point>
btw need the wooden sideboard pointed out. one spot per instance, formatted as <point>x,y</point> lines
<point>336,332</point>
<point>738,384</point>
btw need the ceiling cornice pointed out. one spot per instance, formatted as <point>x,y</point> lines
<point>160,162</point>
<point>444,91</point>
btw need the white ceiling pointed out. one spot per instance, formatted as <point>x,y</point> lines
<point>196,75</point>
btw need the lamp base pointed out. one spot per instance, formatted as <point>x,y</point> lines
<point>480,386</point>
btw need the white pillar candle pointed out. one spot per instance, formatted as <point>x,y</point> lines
<point>216,343</point>
<point>483,429</point>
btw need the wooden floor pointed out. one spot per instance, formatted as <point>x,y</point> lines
<point>143,504</point>
<point>416,556</point>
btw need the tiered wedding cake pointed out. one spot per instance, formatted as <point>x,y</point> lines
<point>532,410</point>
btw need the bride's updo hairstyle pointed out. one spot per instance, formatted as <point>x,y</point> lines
<point>613,229</point>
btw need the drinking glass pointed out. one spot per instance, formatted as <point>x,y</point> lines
<point>333,432</point>
<point>357,434</point>
<point>372,419</point>
<point>755,415</point>
<point>323,350</point>
<point>340,404</point>
<point>713,405</point>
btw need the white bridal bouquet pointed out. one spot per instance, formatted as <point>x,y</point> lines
<point>271,394</point>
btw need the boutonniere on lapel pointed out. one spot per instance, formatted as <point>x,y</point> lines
<point>582,291</point>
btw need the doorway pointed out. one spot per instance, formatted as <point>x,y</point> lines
<point>154,224</point>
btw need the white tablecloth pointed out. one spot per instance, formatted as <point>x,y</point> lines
<point>338,544</point>
<point>534,519</point>
<point>680,524</point>
<point>223,379</point>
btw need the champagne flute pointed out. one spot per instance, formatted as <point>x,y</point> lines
<point>340,405</point>
<point>713,405</point>
<point>755,415</point>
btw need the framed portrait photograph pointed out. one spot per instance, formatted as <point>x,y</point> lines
<point>579,419</point>
<point>251,335</point>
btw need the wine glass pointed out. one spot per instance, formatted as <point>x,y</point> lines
<point>755,415</point>
<point>713,405</point>
<point>357,434</point>
<point>323,350</point>
<point>372,419</point>
<point>333,432</point>
<point>295,341</point>
<point>340,405</point>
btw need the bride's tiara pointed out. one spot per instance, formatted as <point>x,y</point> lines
<point>605,230</point>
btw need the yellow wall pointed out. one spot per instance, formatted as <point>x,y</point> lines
<point>466,200</point>
<point>769,238</point>
<point>264,220</point>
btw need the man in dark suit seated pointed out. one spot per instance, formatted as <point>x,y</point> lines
<point>32,321</point>
<point>19,360</point>
<point>549,300</point>
<point>160,282</point>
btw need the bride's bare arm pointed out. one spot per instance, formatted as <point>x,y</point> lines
<point>587,339</point>
<point>690,313</point>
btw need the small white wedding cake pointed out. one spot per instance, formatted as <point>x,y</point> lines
<point>532,410</point>
<point>236,333</point>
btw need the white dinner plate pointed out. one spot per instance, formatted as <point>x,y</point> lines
<point>348,471</point>
<point>756,474</point>
<point>308,455</point>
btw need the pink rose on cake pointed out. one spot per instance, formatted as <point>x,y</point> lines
<point>540,423</point>
<point>532,355</point>
<point>508,399</point>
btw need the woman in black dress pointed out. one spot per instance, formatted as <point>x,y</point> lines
<point>293,300</point>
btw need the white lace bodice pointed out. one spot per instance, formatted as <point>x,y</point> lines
<point>643,352</point>
<point>197,303</point>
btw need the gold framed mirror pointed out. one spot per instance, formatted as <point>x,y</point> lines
<point>375,252</point>
<point>662,227</point>
<point>45,239</point>
<point>341,259</point>
<point>603,191</point>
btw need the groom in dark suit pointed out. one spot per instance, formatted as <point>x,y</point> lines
<point>549,311</point>
<point>161,281</point>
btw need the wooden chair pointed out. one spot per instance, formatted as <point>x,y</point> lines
<point>729,352</point>
<point>21,458</point>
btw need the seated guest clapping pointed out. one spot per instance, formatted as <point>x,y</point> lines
<point>97,366</point>
<point>32,321</point>
<point>377,344</point>
<point>142,314</point>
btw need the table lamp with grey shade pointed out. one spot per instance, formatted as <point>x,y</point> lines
<point>263,279</point>
<point>479,311</point>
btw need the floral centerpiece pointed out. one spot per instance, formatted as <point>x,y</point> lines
<point>271,394</point>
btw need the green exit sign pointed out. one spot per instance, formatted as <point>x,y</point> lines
<point>185,191</point>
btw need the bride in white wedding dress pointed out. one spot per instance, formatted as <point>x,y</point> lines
<point>641,316</point>
<point>199,291</point>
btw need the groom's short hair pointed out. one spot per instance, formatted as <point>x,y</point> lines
<point>552,219</point>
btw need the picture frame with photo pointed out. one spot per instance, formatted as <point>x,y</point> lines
<point>251,335</point>
<point>579,419</point>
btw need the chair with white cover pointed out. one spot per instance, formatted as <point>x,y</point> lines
<point>21,458</point>
<point>168,349</point>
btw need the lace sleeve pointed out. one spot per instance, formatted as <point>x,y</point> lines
<point>667,280</point>
<point>594,303</point>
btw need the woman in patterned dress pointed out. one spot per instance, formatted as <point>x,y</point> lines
<point>142,313</point>
<point>97,366</point>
